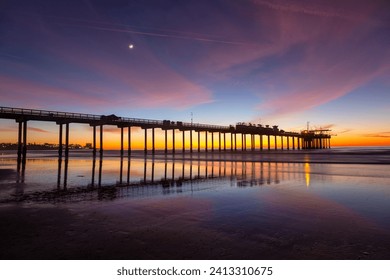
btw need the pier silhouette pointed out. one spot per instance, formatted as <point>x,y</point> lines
<point>283,140</point>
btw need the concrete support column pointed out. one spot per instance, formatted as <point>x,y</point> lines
<point>298,143</point>
<point>198,141</point>
<point>212,141</point>
<point>153,142</point>
<point>191,141</point>
<point>60,140</point>
<point>231,141</point>
<point>93,140</point>
<point>20,132</point>
<point>121,141</point>
<point>184,141</point>
<point>293,143</point>
<point>288,142</point>
<point>24,138</point>
<point>166,141</point>
<point>146,141</point>
<point>269,142</point>
<point>173,140</point>
<point>224,141</point>
<point>261,142</point>
<point>219,139</point>
<point>101,140</point>
<point>129,141</point>
<point>235,141</point>
<point>206,144</point>
<point>276,143</point>
<point>66,139</point>
<point>281,138</point>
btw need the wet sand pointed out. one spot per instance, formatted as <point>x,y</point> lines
<point>57,233</point>
<point>271,211</point>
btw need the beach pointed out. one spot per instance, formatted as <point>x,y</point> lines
<point>331,204</point>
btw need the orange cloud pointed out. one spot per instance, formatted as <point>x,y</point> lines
<point>378,135</point>
<point>38,130</point>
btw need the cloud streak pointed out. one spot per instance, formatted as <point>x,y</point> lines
<point>307,9</point>
<point>378,135</point>
<point>162,35</point>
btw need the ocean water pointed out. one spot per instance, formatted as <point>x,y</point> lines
<point>329,204</point>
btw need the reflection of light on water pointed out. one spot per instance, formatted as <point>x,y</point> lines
<point>307,174</point>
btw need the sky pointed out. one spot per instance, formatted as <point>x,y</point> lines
<point>273,62</point>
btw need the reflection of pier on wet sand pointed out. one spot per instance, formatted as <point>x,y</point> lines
<point>145,177</point>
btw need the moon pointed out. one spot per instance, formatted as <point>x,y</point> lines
<point>131,46</point>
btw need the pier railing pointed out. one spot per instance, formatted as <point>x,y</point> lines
<point>45,113</point>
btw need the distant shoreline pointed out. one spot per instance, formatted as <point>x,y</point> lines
<point>46,146</point>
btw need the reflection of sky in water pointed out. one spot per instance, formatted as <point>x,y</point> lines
<point>238,194</point>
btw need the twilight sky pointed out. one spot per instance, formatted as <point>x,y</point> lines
<point>268,61</point>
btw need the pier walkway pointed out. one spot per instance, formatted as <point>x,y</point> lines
<point>308,139</point>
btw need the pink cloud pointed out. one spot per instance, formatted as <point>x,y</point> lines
<point>35,94</point>
<point>337,57</point>
<point>337,54</point>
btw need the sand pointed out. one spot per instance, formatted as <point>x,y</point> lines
<point>340,215</point>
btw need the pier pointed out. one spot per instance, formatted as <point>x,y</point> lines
<point>283,140</point>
